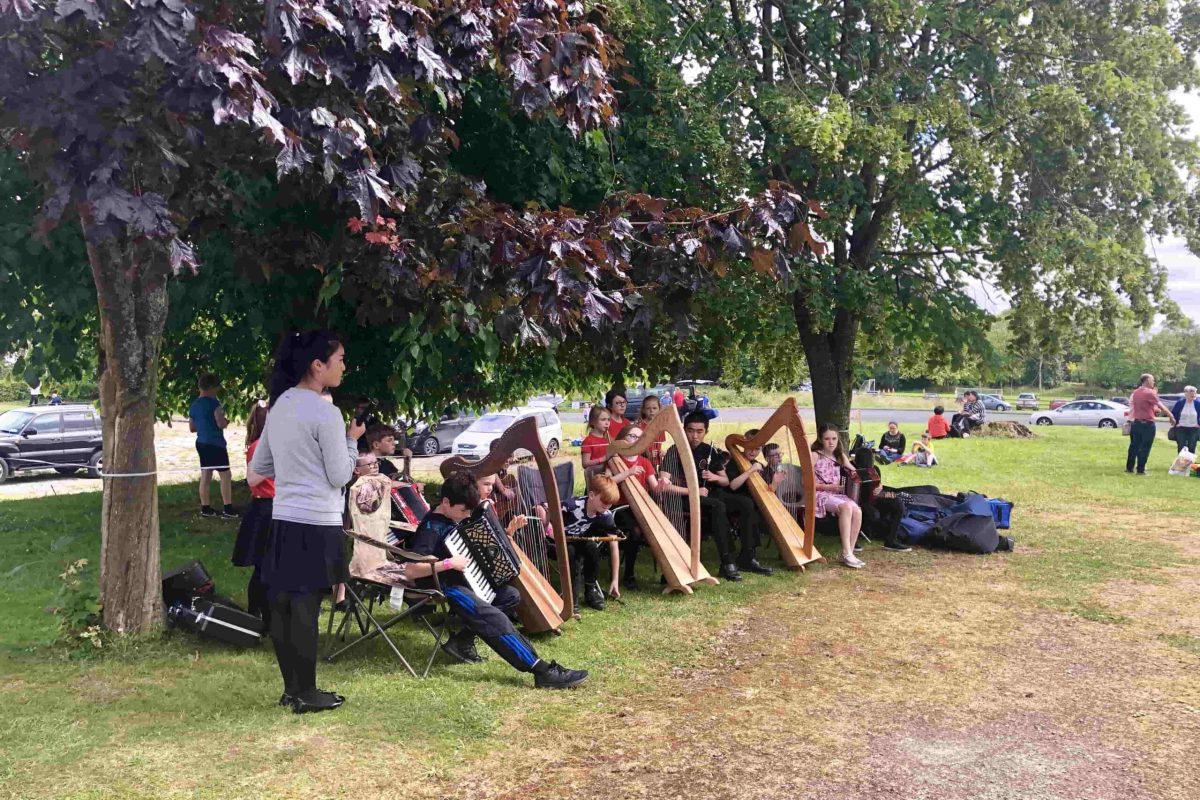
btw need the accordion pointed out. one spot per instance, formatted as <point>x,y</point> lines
<point>409,504</point>
<point>484,544</point>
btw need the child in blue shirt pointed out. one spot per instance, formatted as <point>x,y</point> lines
<point>207,420</point>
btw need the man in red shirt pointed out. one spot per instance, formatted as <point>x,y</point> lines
<point>678,399</point>
<point>1142,429</point>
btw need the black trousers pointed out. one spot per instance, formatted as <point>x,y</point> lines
<point>1141,439</point>
<point>961,423</point>
<point>714,522</point>
<point>634,539</point>
<point>749,521</point>
<point>585,564</point>
<point>490,622</point>
<point>881,518</point>
<point>295,618</point>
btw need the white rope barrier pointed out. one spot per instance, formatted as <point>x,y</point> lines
<point>59,465</point>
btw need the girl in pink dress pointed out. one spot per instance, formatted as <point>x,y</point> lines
<point>828,460</point>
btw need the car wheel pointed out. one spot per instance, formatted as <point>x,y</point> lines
<point>1044,421</point>
<point>1108,423</point>
<point>431,446</point>
<point>96,464</point>
<point>66,470</point>
<point>5,470</point>
<point>552,448</point>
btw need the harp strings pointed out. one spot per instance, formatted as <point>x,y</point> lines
<point>530,496</point>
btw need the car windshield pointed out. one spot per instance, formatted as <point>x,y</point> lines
<point>494,423</point>
<point>14,421</point>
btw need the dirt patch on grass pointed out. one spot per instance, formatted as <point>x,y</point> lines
<point>973,693</point>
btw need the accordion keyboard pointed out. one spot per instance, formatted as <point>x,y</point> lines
<point>474,572</point>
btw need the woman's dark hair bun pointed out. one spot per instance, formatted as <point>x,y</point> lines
<point>296,351</point>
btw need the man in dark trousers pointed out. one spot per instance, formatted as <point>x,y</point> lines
<point>717,503</point>
<point>489,621</point>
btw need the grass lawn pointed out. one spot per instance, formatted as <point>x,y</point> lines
<point>806,674</point>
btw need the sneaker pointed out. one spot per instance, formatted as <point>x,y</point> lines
<point>207,511</point>
<point>858,546</point>
<point>897,547</point>
<point>966,435</point>
<point>556,677</point>
<point>229,513</point>
<point>463,651</point>
<point>593,597</point>
<point>852,562</point>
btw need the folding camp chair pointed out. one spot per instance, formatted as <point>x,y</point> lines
<point>364,598</point>
<point>375,569</point>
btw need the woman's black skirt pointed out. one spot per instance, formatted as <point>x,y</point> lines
<point>303,558</point>
<point>253,534</point>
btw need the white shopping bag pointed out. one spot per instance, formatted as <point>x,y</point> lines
<point>1182,463</point>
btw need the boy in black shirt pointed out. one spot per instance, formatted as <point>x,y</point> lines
<point>716,502</point>
<point>490,621</point>
<point>591,515</point>
<point>381,440</point>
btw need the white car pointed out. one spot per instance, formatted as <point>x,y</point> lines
<point>476,441</point>
<point>1096,413</point>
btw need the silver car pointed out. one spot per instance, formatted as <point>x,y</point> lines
<point>1094,413</point>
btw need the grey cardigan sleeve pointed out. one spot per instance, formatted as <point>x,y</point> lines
<point>338,451</point>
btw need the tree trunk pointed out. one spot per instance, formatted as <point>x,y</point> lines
<point>131,286</point>
<point>830,357</point>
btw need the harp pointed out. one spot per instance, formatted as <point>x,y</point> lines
<point>671,523</point>
<point>542,608</point>
<point>794,540</point>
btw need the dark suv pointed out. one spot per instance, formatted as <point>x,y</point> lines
<point>63,438</point>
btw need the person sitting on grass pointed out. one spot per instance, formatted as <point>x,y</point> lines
<point>831,499</point>
<point>892,444</point>
<point>971,418</point>
<point>936,426</point>
<point>488,621</point>
<point>922,453</point>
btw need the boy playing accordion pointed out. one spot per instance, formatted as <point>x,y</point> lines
<point>489,621</point>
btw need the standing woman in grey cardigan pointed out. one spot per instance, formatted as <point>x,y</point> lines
<point>308,450</point>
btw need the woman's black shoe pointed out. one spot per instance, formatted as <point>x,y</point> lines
<point>313,701</point>
<point>285,699</point>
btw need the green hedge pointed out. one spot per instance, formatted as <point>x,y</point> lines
<point>72,391</point>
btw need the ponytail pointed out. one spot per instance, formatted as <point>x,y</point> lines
<point>295,353</point>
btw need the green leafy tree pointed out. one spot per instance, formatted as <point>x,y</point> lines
<point>1117,364</point>
<point>1032,145</point>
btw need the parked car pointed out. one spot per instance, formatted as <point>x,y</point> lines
<point>1122,400</point>
<point>429,440</point>
<point>1096,413</point>
<point>65,438</point>
<point>1058,404</point>
<point>476,441</point>
<point>635,396</point>
<point>1168,400</point>
<point>1086,397</point>
<point>1027,401</point>
<point>993,403</point>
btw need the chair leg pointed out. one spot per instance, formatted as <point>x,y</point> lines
<point>437,640</point>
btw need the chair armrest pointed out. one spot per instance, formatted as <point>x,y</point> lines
<point>406,555</point>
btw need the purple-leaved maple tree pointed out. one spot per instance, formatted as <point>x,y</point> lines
<point>126,112</point>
